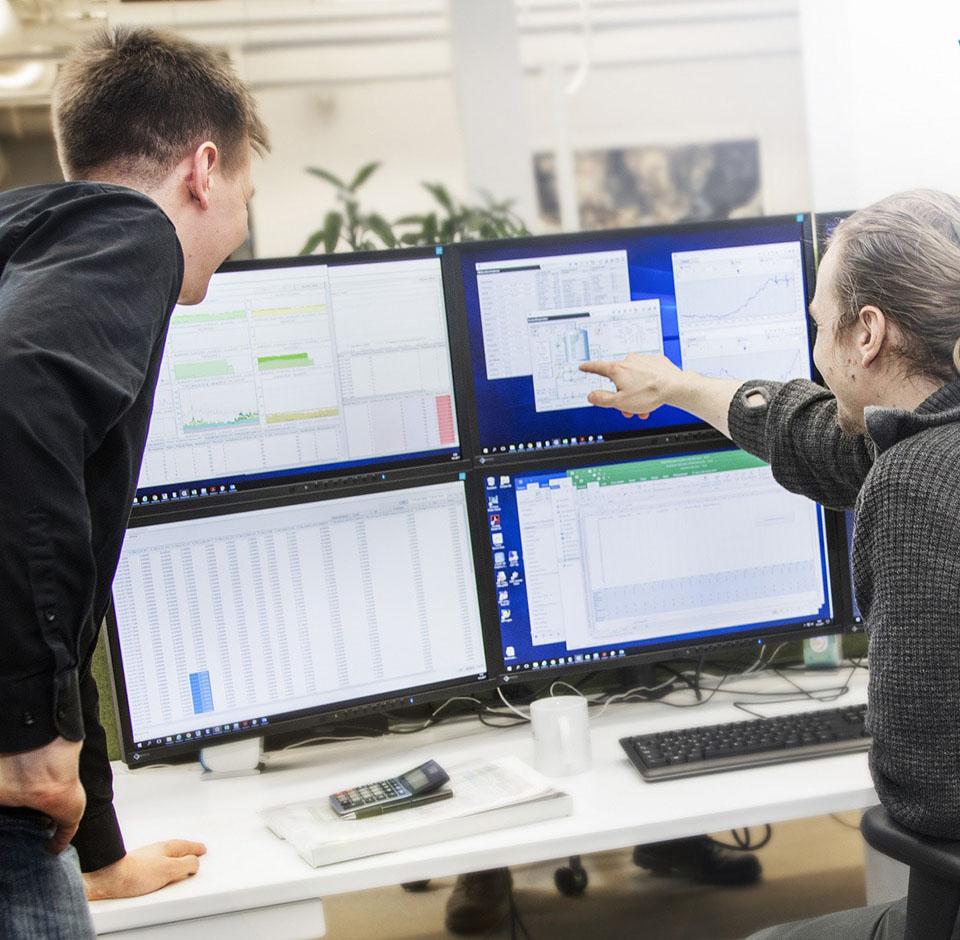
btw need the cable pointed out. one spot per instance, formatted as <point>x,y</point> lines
<point>512,708</point>
<point>744,843</point>
<point>433,719</point>
<point>296,744</point>
<point>844,823</point>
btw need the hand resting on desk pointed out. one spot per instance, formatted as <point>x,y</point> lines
<point>144,870</point>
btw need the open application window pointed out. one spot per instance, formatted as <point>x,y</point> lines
<point>607,560</point>
<point>287,368</point>
<point>237,621</point>
<point>725,298</point>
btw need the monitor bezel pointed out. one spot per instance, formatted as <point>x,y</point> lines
<point>456,255</point>
<point>672,649</point>
<point>340,474</point>
<point>321,715</point>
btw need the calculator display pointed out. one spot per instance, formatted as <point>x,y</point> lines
<point>414,779</point>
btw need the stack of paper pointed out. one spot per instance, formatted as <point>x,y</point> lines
<point>490,795</point>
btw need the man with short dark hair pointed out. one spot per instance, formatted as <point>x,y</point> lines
<point>154,134</point>
<point>883,437</point>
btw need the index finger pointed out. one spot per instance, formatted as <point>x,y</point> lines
<point>178,848</point>
<point>598,367</point>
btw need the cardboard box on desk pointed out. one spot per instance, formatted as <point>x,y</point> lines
<point>487,795</point>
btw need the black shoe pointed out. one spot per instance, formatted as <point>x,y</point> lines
<point>480,900</point>
<point>699,859</point>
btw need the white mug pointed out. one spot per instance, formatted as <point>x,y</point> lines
<point>561,735</point>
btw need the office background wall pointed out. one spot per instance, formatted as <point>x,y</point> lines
<point>683,73</point>
<point>848,99</point>
<point>882,82</point>
<point>341,84</point>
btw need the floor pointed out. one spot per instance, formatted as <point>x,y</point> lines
<point>809,867</point>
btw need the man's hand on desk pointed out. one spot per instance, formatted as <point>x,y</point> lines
<point>146,869</point>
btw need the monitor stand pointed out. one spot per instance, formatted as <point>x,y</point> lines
<point>234,759</point>
<point>642,676</point>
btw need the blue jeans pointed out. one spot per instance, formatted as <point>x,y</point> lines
<point>41,895</point>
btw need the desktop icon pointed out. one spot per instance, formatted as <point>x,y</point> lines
<point>503,598</point>
<point>506,615</point>
<point>513,557</point>
<point>510,652</point>
<point>497,538</point>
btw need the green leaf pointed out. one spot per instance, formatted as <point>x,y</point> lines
<point>412,238</point>
<point>447,231</point>
<point>409,220</point>
<point>326,175</point>
<point>363,174</point>
<point>310,245</point>
<point>441,195</point>
<point>332,225</point>
<point>381,228</point>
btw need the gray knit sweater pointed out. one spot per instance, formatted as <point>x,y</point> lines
<point>903,477</point>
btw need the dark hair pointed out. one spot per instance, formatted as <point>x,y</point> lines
<point>902,255</point>
<point>138,101</point>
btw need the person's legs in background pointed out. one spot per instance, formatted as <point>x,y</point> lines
<point>41,895</point>
<point>480,900</point>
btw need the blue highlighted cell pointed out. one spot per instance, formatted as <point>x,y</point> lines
<point>201,691</point>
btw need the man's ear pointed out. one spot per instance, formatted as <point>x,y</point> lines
<point>875,331</point>
<point>203,164</point>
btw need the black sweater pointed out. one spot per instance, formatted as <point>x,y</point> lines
<point>89,274</point>
<point>903,477</point>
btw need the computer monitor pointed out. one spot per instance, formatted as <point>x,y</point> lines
<point>303,368</point>
<point>825,223</point>
<point>596,564</point>
<point>723,298</point>
<point>282,614</point>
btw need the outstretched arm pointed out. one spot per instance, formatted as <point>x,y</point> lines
<point>644,383</point>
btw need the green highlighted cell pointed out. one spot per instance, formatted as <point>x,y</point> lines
<point>665,468</point>
<point>290,361</point>
<point>202,370</point>
<point>200,318</point>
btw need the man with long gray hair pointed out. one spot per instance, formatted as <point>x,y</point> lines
<point>883,437</point>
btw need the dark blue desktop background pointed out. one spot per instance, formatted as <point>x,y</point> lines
<point>506,411</point>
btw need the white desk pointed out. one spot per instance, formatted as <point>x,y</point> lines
<point>250,879</point>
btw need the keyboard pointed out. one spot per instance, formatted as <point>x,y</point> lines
<point>709,749</point>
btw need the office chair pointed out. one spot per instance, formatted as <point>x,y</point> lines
<point>933,895</point>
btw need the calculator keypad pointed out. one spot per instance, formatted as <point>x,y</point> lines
<point>370,793</point>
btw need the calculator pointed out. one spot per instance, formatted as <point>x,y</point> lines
<point>393,792</point>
